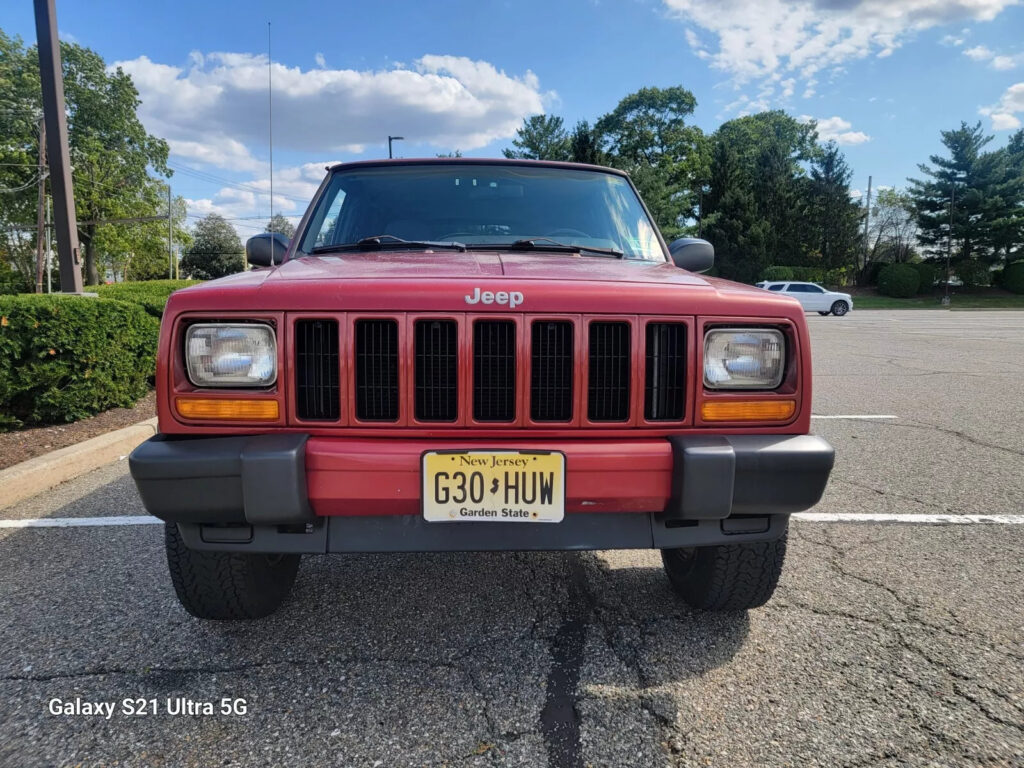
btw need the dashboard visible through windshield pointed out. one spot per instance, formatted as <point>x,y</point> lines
<point>483,206</point>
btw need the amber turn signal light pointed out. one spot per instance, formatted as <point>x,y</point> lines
<point>227,410</point>
<point>748,410</point>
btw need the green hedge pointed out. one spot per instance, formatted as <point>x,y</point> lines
<point>833,277</point>
<point>898,280</point>
<point>928,274</point>
<point>151,294</point>
<point>973,274</point>
<point>776,274</point>
<point>1013,277</point>
<point>64,358</point>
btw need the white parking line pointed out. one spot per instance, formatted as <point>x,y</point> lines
<point>80,522</point>
<point>853,517</point>
<point>807,517</point>
<point>857,416</point>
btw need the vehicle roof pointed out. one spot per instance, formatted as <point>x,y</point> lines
<point>475,161</point>
<point>787,282</point>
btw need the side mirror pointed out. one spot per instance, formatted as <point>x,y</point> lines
<point>692,254</point>
<point>266,249</point>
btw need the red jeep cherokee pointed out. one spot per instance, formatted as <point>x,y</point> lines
<point>478,355</point>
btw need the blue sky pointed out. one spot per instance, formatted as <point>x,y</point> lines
<point>882,76</point>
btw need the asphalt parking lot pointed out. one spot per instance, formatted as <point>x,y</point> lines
<point>885,645</point>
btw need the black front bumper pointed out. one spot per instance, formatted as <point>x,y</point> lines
<point>249,494</point>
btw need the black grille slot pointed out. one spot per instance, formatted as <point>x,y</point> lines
<point>608,387</point>
<point>494,370</point>
<point>317,394</point>
<point>551,367</point>
<point>437,370</point>
<point>665,381</point>
<point>377,370</point>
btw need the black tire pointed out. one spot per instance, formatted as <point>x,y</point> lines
<point>228,585</point>
<point>825,314</point>
<point>728,577</point>
<point>840,308</point>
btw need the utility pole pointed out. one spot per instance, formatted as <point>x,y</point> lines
<point>270,118</point>
<point>58,158</point>
<point>391,139</point>
<point>949,242</point>
<point>49,250</point>
<point>170,236</point>
<point>867,222</point>
<point>41,206</point>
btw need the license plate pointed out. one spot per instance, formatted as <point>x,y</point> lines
<point>493,486</point>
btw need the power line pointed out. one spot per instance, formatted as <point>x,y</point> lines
<point>206,176</point>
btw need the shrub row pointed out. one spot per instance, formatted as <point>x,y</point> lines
<point>152,295</point>
<point>64,358</point>
<point>831,277</point>
<point>1012,278</point>
<point>898,280</point>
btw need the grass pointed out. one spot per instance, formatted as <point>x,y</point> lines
<point>993,300</point>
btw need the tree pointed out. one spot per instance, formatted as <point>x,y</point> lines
<point>834,218</point>
<point>584,146</point>
<point>734,225</point>
<point>987,195</point>
<point>892,230</point>
<point>111,153</point>
<point>541,137</point>
<point>278,223</point>
<point>775,148</point>
<point>216,250</point>
<point>647,135</point>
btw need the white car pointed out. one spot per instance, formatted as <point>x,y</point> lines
<point>813,297</point>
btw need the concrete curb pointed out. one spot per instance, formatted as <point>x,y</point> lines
<point>37,475</point>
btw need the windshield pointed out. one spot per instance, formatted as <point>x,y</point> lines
<point>483,206</point>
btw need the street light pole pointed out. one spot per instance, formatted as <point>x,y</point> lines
<point>949,242</point>
<point>391,139</point>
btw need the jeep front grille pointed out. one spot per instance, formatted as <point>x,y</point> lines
<point>461,370</point>
<point>317,394</point>
<point>551,369</point>
<point>665,372</point>
<point>494,370</point>
<point>609,366</point>
<point>377,384</point>
<point>437,370</point>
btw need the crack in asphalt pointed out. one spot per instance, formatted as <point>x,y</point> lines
<point>906,424</point>
<point>894,627</point>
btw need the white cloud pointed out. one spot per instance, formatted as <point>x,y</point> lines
<point>979,53</point>
<point>1004,113</point>
<point>836,129</point>
<point>320,60</point>
<point>758,38</point>
<point>214,110</point>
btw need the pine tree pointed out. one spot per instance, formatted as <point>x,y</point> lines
<point>733,224</point>
<point>987,195</point>
<point>835,218</point>
<point>541,137</point>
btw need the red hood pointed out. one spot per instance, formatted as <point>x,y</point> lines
<point>418,281</point>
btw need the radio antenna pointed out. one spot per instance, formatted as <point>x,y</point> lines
<point>270,118</point>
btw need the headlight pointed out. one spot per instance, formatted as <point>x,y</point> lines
<point>222,355</point>
<point>744,358</point>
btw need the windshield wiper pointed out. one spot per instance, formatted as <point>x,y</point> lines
<point>380,242</point>
<point>547,244</point>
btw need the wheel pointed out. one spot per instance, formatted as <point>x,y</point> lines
<point>228,585</point>
<point>728,577</point>
<point>840,308</point>
<point>825,314</point>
